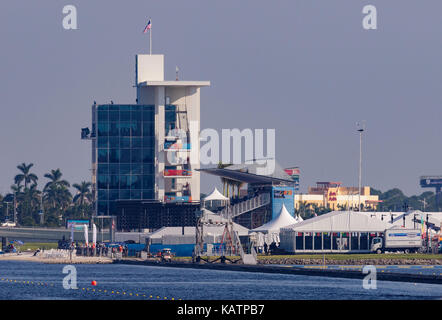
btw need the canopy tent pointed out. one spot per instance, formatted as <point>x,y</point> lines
<point>283,219</point>
<point>342,221</point>
<point>215,200</point>
<point>215,195</point>
<point>269,232</point>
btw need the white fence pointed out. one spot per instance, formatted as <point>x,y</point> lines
<point>57,254</point>
<point>245,206</point>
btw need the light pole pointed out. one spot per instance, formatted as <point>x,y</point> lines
<point>361,129</point>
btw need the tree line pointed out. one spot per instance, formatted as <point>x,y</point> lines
<point>50,206</point>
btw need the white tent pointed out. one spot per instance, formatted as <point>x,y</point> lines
<point>271,228</point>
<point>283,219</point>
<point>342,221</point>
<point>215,195</point>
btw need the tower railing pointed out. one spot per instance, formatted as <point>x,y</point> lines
<point>235,210</point>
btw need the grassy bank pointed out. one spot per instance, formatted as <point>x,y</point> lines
<point>32,246</point>
<point>341,257</point>
<point>344,259</point>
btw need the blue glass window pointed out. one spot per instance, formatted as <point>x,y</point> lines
<point>103,194</point>
<point>147,194</point>
<point>102,181</point>
<point>124,115</point>
<point>114,182</point>
<point>114,169</point>
<point>136,115</point>
<point>103,129</point>
<point>103,155</point>
<point>125,129</point>
<point>148,155</point>
<point>114,142</point>
<point>103,115</point>
<point>125,156</point>
<point>135,194</point>
<point>114,116</point>
<point>102,208</point>
<point>112,207</point>
<point>136,168</point>
<point>148,142</point>
<point>124,181</point>
<point>148,129</point>
<point>124,194</point>
<point>114,129</point>
<point>125,142</point>
<point>114,194</point>
<point>135,182</point>
<point>103,142</point>
<point>125,168</point>
<point>114,155</point>
<point>148,181</point>
<point>137,142</point>
<point>136,129</point>
<point>135,155</point>
<point>148,169</point>
<point>103,168</point>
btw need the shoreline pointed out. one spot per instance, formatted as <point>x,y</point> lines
<point>368,261</point>
<point>334,273</point>
<point>29,257</point>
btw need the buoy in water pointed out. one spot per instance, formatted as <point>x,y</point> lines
<point>94,283</point>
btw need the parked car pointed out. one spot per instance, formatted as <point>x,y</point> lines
<point>8,224</point>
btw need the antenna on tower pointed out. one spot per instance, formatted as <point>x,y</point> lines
<point>361,126</point>
<point>176,72</point>
<point>361,129</point>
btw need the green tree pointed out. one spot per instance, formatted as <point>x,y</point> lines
<point>55,179</point>
<point>57,197</point>
<point>83,198</point>
<point>25,176</point>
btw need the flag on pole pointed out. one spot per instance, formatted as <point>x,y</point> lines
<point>148,26</point>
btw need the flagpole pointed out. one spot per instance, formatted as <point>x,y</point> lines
<point>150,36</point>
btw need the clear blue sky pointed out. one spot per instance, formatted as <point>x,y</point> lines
<point>305,68</point>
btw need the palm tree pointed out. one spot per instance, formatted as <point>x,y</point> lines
<point>30,205</point>
<point>25,176</point>
<point>83,196</point>
<point>56,194</point>
<point>55,179</point>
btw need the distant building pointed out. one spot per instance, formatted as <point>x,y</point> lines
<point>334,196</point>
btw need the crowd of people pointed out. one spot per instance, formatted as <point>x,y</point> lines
<point>92,249</point>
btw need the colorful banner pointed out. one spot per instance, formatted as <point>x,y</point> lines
<point>177,199</point>
<point>280,196</point>
<point>170,145</point>
<point>177,173</point>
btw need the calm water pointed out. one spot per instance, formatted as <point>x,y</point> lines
<point>127,282</point>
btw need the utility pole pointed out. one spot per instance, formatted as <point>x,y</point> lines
<point>361,129</point>
<point>424,202</point>
<point>15,209</point>
<point>41,209</point>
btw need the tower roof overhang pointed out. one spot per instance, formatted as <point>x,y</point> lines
<point>175,84</point>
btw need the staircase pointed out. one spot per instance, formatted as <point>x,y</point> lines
<point>245,206</point>
<point>247,258</point>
